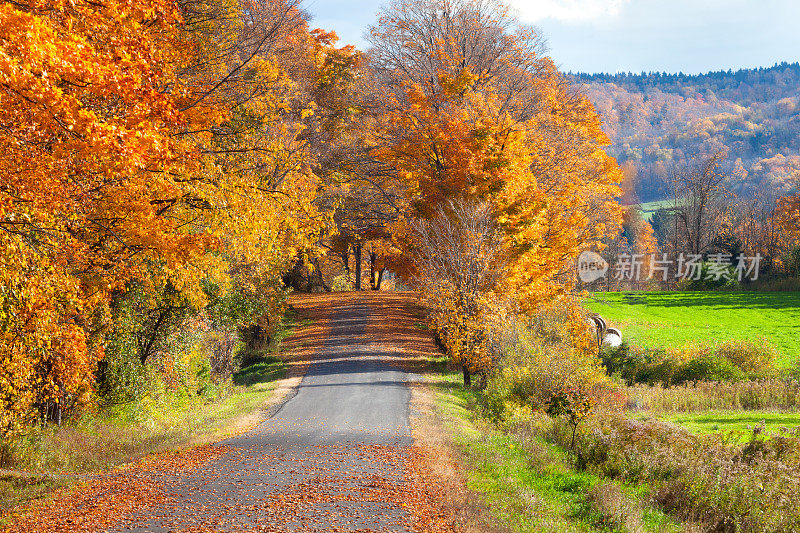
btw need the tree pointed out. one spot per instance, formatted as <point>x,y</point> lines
<point>151,146</point>
<point>699,200</point>
<point>86,149</point>
<point>459,259</point>
<point>789,216</point>
<point>476,111</point>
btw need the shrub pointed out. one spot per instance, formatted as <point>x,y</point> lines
<point>750,487</point>
<point>707,279</point>
<point>636,365</point>
<point>707,367</point>
<point>730,361</point>
<point>538,360</point>
<point>755,360</point>
<point>726,492</point>
<point>616,511</point>
<point>460,259</point>
<point>342,283</point>
<point>574,405</point>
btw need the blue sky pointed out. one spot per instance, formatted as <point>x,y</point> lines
<point>691,36</point>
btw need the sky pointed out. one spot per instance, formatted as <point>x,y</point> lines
<point>689,36</point>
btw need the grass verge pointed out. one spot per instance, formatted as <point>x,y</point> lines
<point>530,485</point>
<point>56,456</point>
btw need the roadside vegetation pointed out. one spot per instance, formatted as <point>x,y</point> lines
<point>594,455</point>
<point>531,484</point>
<point>197,407</point>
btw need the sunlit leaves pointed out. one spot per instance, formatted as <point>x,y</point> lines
<point>144,142</point>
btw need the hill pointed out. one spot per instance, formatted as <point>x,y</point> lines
<point>657,121</point>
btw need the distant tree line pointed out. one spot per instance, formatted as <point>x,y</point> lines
<point>658,122</point>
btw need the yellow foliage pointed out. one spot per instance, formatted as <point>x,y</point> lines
<point>141,143</point>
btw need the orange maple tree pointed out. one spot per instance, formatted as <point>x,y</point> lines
<point>477,112</point>
<point>85,149</point>
<point>139,137</point>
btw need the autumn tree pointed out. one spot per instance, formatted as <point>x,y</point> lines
<point>85,143</point>
<point>153,147</point>
<point>363,192</point>
<point>459,258</point>
<point>788,214</point>
<point>475,110</point>
<point>477,114</point>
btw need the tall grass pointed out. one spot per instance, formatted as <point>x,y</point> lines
<point>715,482</point>
<point>779,394</point>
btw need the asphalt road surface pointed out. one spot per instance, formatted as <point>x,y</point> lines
<point>331,459</point>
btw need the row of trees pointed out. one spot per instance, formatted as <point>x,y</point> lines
<point>704,217</point>
<point>158,162</point>
<point>175,164</point>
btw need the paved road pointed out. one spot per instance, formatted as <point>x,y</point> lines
<point>331,459</point>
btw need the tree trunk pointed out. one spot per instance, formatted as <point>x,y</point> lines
<point>322,284</point>
<point>346,260</point>
<point>380,279</point>
<point>357,254</point>
<point>467,376</point>
<point>373,280</point>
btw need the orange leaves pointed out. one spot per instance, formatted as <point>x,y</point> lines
<point>476,111</point>
<point>86,112</point>
<point>789,216</point>
<point>87,156</point>
<point>101,503</point>
<point>148,141</point>
<point>43,355</point>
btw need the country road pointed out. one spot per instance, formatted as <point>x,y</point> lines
<point>331,459</point>
<point>342,452</point>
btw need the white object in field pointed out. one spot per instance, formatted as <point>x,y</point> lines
<point>612,338</point>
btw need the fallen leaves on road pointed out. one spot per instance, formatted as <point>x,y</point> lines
<point>346,486</point>
<point>96,505</point>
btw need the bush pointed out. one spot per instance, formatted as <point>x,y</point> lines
<point>342,283</point>
<point>537,361</point>
<point>747,487</point>
<point>616,511</point>
<point>757,361</point>
<point>707,367</point>
<point>706,281</point>
<point>728,362</point>
<point>635,365</point>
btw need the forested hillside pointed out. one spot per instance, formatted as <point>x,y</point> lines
<point>659,121</point>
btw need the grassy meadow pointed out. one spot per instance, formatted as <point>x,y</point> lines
<point>661,319</point>
<point>649,208</point>
<point>738,422</point>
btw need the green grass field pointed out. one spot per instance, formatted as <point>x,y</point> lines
<point>740,422</point>
<point>659,319</point>
<point>648,208</point>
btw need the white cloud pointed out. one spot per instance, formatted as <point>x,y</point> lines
<point>567,10</point>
